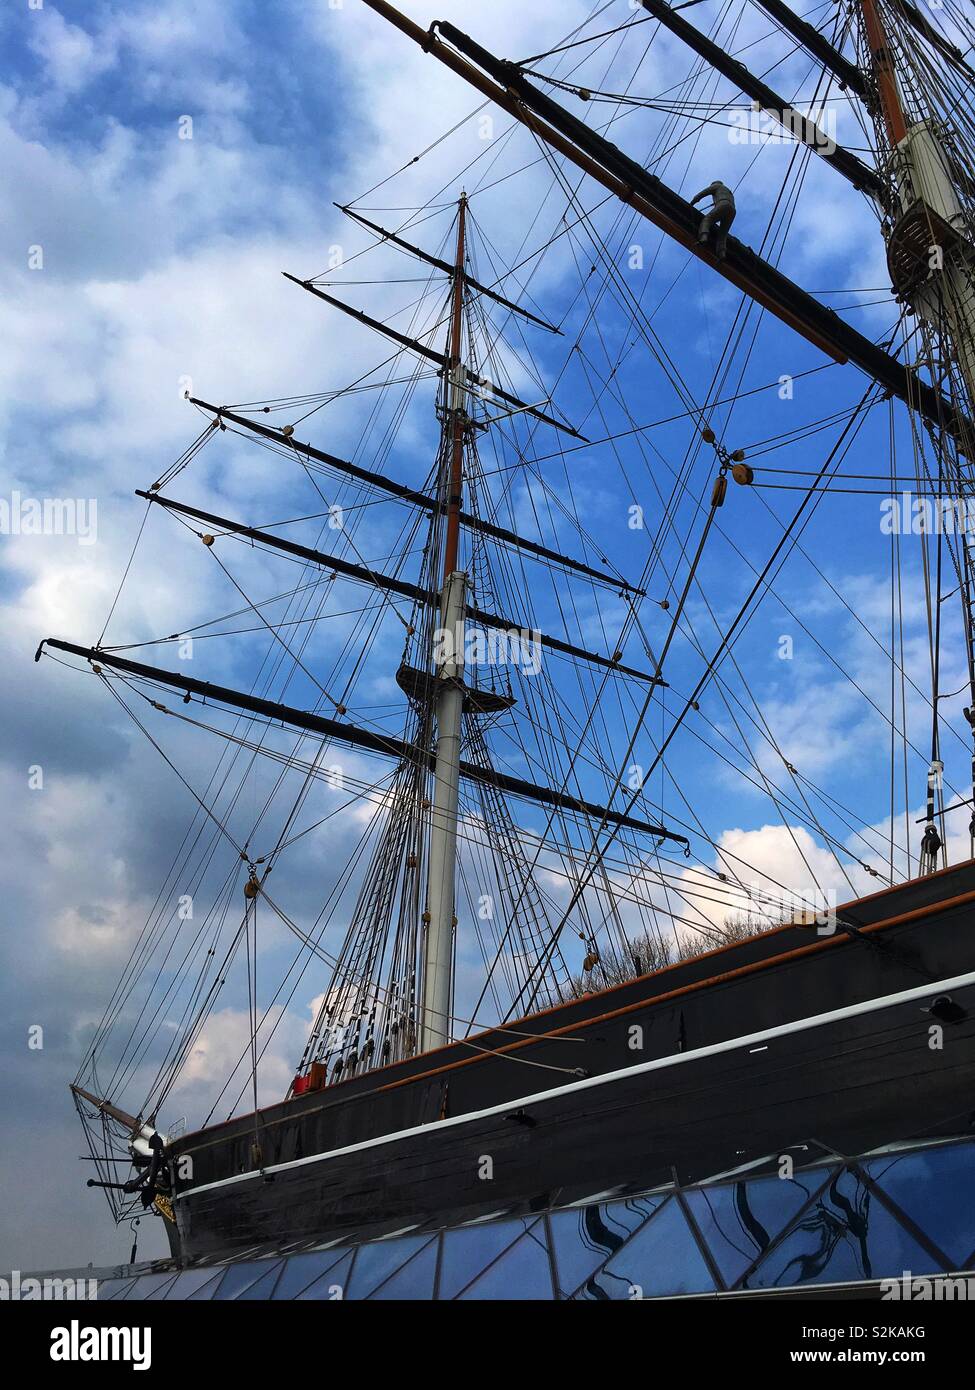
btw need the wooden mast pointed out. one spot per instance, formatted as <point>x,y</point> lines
<point>883,64</point>
<point>456,422</point>
<point>929,252</point>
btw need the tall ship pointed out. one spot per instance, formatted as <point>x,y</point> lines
<point>516,805</point>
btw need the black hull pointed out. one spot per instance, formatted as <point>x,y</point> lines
<point>407,1143</point>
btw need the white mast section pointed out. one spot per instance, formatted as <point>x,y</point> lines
<point>440,919</point>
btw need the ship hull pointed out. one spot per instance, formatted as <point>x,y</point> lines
<point>785,1040</point>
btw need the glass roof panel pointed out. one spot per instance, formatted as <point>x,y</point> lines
<point>625,1217</point>
<point>207,1290</point>
<point>147,1284</point>
<point>164,1290</point>
<point>302,1270</point>
<point>192,1280</point>
<point>265,1285</point>
<point>240,1277</point>
<point>330,1286</point>
<point>936,1189</point>
<point>661,1258</point>
<point>113,1288</point>
<point>377,1261</point>
<point>845,1235</point>
<point>583,1238</point>
<point>738,1221</point>
<point>469,1249</point>
<point>524,1271</point>
<point>415,1279</point>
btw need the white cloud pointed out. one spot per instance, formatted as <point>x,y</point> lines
<point>216,1055</point>
<point>71,56</point>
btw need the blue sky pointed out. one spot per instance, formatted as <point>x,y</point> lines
<point>161,261</point>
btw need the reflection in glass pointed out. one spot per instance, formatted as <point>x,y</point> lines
<point>662,1257</point>
<point>936,1189</point>
<point>823,1225</point>
<point>623,1218</point>
<point>583,1238</point>
<point>845,1235</point>
<point>738,1221</point>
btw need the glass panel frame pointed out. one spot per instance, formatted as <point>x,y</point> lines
<point>859,1238</point>
<point>419,1272</point>
<point>931,1192</point>
<point>461,1243</point>
<point>309,1266</point>
<point>661,1258</point>
<point>379,1260</point>
<point>191,1283</point>
<point>239,1277</point>
<point>525,1267</point>
<point>147,1284</point>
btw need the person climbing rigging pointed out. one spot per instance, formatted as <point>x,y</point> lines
<point>719,217</point>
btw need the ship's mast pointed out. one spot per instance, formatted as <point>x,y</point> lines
<point>927,193</point>
<point>439,918</point>
<point>930,254</point>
